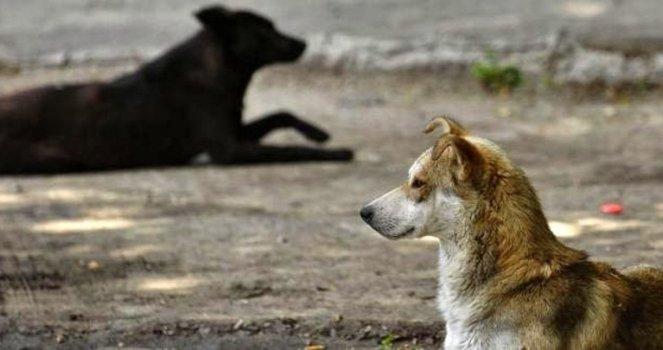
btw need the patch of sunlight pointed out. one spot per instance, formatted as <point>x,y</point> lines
<point>81,225</point>
<point>9,198</point>
<point>429,239</point>
<point>135,251</point>
<point>73,195</point>
<point>580,226</point>
<point>584,9</point>
<point>168,284</point>
<point>601,224</point>
<point>564,229</point>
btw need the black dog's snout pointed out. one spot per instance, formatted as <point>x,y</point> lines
<point>367,213</point>
<point>300,45</point>
<point>297,47</point>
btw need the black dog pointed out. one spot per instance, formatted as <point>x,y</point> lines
<point>184,103</point>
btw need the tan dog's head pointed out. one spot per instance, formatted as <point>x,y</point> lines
<point>443,188</point>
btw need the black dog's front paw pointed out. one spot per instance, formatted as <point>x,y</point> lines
<point>308,130</point>
<point>342,154</point>
<point>317,135</point>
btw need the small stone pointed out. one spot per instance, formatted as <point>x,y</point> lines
<point>315,347</point>
<point>366,332</point>
<point>93,265</point>
<point>59,338</point>
<point>238,325</point>
<point>204,330</point>
<point>168,331</point>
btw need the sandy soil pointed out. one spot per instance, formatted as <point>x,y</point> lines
<point>276,256</point>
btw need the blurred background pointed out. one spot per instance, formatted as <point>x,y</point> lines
<point>276,256</point>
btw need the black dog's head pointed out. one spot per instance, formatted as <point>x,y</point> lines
<point>250,38</point>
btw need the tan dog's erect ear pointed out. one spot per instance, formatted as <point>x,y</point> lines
<point>467,161</point>
<point>450,126</point>
<point>464,159</point>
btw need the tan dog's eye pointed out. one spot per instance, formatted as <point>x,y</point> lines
<point>417,183</point>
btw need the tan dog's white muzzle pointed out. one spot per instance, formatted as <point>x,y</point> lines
<point>392,215</point>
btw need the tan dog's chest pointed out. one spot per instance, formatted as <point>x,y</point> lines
<point>483,335</point>
<point>460,314</point>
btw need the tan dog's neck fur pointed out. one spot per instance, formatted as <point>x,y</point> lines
<point>510,217</point>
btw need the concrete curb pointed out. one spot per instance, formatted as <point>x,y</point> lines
<point>336,51</point>
<point>441,53</point>
<point>609,55</point>
<point>566,58</point>
<point>609,42</point>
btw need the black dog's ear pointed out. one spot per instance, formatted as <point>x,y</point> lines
<point>215,18</point>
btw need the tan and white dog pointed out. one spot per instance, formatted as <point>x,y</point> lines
<point>506,282</point>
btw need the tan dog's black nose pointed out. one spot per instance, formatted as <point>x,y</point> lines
<point>366,214</point>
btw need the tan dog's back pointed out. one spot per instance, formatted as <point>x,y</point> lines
<point>644,321</point>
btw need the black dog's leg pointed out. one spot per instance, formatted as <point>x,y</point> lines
<point>254,131</point>
<point>252,153</point>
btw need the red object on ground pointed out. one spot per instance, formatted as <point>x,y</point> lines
<point>612,208</point>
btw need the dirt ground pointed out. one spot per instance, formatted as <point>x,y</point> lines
<point>276,257</point>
